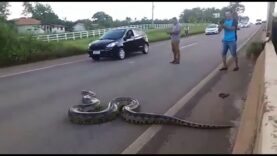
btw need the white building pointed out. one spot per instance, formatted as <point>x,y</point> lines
<point>34,26</point>
<point>28,26</point>
<point>79,26</point>
<point>53,28</point>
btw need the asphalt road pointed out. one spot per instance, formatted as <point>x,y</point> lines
<point>34,105</point>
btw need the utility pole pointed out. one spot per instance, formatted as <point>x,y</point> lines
<point>270,10</point>
<point>152,14</point>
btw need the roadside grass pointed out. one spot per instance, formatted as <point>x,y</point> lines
<point>15,50</point>
<point>82,44</point>
<point>162,34</point>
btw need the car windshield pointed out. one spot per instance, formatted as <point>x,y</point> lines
<point>113,34</point>
<point>211,26</point>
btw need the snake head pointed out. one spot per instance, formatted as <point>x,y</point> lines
<point>88,100</point>
<point>88,92</point>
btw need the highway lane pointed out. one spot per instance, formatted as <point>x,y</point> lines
<point>33,106</point>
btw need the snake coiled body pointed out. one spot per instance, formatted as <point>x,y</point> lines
<point>127,108</point>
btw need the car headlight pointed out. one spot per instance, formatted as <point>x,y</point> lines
<point>89,45</point>
<point>111,44</point>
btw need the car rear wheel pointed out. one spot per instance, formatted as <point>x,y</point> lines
<point>145,48</point>
<point>121,54</point>
<point>95,57</point>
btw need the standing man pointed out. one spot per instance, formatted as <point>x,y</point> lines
<point>175,35</point>
<point>187,30</point>
<point>229,24</point>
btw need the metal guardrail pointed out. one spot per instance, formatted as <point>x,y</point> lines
<point>99,32</point>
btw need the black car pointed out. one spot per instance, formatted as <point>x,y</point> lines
<point>119,42</point>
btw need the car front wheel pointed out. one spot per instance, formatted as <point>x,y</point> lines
<point>145,48</point>
<point>121,54</point>
<point>95,57</point>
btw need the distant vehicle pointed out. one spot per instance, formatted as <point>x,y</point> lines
<point>245,25</point>
<point>258,22</point>
<point>212,29</point>
<point>263,21</point>
<point>118,42</point>
<point>244,22</point>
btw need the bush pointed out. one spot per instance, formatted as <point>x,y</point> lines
<point>15,49</point>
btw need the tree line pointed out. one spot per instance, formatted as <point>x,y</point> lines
<point>46,15</point>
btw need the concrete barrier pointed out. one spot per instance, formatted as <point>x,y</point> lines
<point>267,136</point>
<point>257,133</point>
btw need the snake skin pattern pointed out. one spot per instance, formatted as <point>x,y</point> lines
<point>90,112</point>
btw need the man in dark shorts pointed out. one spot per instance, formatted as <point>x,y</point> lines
<point>229,41</point>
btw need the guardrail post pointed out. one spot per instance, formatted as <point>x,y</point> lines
<point>48,38</point>
<point>87,34</point>
<point>98,32</point>
<point>65,36</point>
<point>57,36</point>
<point>81,34</point>
<point>73,36</point>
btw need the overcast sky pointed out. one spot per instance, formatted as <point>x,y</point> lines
<point>120,10</point>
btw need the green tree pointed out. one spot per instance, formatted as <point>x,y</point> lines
<point>199,15</point>
<point>4,10</point>
<point>128,20</point>
<point>237,9</point>
<point>28,8</point>
<point>102,19</point>
<point>144,20</point>
<point>68,25</point>
<point>45,14</point>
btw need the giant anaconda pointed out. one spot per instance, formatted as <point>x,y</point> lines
<point>89,112</point>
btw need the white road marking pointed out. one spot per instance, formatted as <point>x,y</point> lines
<point>189,45</point>
<point>153,130</point>
<point>37,69</point>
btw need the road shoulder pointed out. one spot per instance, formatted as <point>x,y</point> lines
<point>201,109</point>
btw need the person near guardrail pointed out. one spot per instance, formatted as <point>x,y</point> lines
<point>229,41</point>
<point>175,35</point>
<point>186,30</point>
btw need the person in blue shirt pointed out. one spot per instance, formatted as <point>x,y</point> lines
<point>229,41</point>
